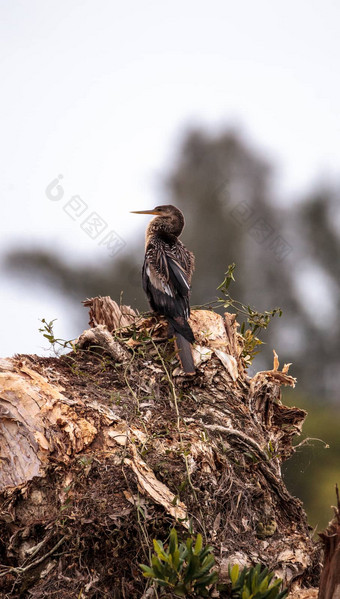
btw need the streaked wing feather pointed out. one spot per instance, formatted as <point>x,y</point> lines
<point>165,279</point>
<point>178,276</point>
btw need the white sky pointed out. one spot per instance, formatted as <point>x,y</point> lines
<point>101,91</point>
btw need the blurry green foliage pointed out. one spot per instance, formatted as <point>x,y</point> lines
<point>313,470</point>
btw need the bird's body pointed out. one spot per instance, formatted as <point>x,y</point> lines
<point>167,272</point>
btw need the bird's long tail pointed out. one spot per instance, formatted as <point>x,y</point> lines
<point>184,337</point>
<point>185,353</point>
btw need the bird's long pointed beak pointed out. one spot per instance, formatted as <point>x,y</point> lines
<point>143,212</point>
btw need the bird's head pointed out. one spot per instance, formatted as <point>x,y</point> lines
<point>168,219</point>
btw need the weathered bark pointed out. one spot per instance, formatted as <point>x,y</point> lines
<point>330,577</point>
<point>103,310</point>
<point>109,446</point>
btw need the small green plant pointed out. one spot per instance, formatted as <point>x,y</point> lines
<point>47,331</point>
<point>184,568</point>
<point>254,583</point>
<point>255,320</point>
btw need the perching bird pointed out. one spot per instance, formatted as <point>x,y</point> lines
<point>167,272</point>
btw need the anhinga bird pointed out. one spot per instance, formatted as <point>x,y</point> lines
<point>167,272</point>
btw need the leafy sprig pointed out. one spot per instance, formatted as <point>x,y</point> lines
<point>57,343</point>
<point>254,320</point>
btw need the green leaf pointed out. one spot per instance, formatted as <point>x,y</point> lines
<point>158,547</point>
<point>257,568</point>
<point>242,576</point>
<point>191,569</point>
<point>162,583</point>
<point>264,585</point>
<point>246,594</point>
<point>198,544</point>
<point>176,559</point>
<point>233,573</point>
<point>205,551</point>
<point>147,571</point>
<point>250,577</point>
<point>206,580</point>
<point>264,576</point>
<point>271,593</point>
<point>173,543</point>
<point>157,566</point>
<point>207,563</point>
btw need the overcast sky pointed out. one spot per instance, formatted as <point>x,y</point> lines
<point>101,92</point>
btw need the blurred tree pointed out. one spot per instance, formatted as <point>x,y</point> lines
<point>78,281</point>
<point>225,189</point>
<point>319,262</point>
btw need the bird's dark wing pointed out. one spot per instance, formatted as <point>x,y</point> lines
<point>178,276</point>
<point>167,274</point>
<point>166,280</point>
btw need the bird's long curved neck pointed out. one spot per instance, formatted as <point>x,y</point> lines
<point>168,228</point>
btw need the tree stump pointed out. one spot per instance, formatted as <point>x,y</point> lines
<point>109,446</point>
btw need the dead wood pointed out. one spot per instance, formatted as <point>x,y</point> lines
<point>100,340</point>
<point>109,446</point>
<point>330,577</point>
<point>104,311</point>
